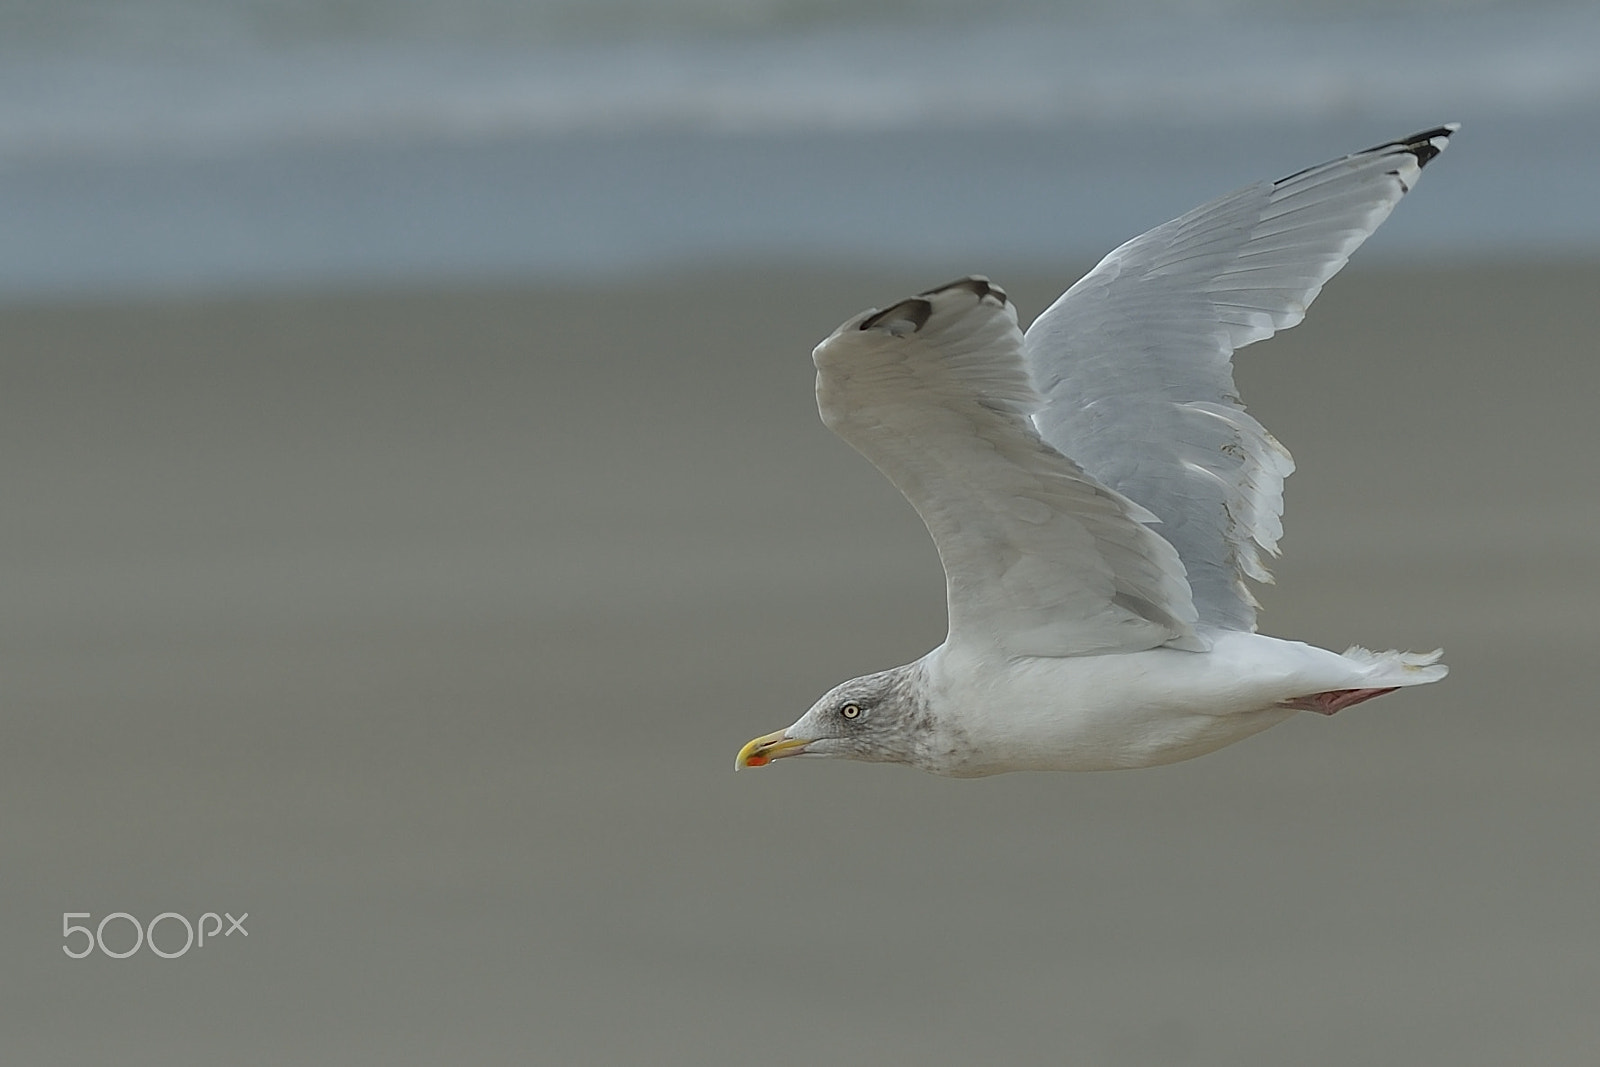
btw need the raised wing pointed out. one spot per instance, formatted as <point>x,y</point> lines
<point>1040,559</point>
<point>1135,359</point>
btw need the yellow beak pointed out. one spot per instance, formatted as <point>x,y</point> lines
<point>763,750</point>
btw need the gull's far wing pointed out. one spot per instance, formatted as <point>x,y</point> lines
<point>1134,361</point>
<point>1040,559</point>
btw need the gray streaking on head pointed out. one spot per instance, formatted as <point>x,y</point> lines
<point>1098,495</point>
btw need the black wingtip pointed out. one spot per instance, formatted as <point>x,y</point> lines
<point>915,311</point>
<point>976,284</point>
<point>1425,145</point>
<point>918,309</point>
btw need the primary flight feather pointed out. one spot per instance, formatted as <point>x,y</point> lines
<point>1099,496</point>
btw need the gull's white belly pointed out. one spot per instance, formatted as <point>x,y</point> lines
<point>1109,712</point>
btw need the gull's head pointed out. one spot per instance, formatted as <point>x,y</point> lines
<point>879,717</point>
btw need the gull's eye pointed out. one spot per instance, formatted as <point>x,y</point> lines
<point>851,710</point>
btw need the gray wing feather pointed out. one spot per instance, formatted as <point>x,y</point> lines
<point>1040,559</point>
<point>1135,360</point>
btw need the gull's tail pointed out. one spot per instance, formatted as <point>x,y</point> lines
<point>1376,674</point>
<point>1397,668</point>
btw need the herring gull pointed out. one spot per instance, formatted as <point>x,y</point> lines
<point>1098,495</point>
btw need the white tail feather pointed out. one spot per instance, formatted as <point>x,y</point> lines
<point>1397,668</point>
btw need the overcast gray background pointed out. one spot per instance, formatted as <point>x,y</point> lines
<point>425,628</point>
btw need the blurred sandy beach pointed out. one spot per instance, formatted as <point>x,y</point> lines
<point>423,626</point>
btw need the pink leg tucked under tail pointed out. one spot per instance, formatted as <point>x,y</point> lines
<point>1333,700</point>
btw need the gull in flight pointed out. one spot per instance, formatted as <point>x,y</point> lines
<point>1098,495</point>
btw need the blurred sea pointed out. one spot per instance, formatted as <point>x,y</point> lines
<point>174,146</point>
